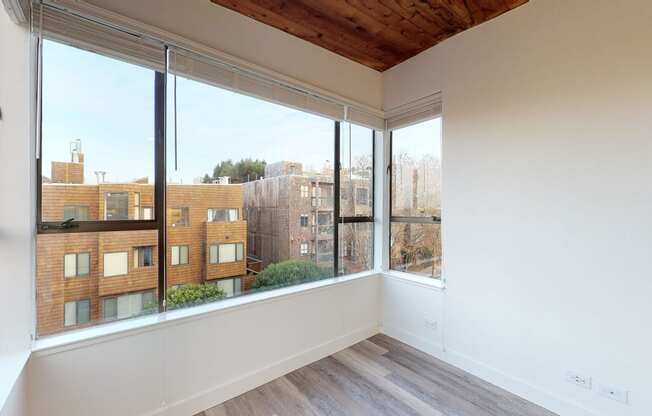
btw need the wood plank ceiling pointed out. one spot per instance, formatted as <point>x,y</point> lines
<point>375,33</point>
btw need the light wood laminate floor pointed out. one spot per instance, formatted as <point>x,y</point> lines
<point>378,376</point>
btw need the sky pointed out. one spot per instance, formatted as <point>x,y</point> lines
<point>109,106</point>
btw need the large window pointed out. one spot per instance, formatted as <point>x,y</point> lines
<point>159,208</point>
<point>415,232</point>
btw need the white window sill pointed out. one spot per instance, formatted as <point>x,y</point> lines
<point>428,282</point>
<point>105,332</point>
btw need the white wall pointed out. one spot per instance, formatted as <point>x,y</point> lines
<point>15,209</point>
<point>547,199</point>
<point>16,403</point>
<point>245,38</point>
<point>190,365</point>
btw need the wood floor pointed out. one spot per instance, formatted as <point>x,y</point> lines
<point>379,376</point>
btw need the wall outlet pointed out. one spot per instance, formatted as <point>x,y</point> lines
<point>430,324</point>
<point>579,380</point>
<point>614,393</point>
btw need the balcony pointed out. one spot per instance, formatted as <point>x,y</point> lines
<point>322,202</point>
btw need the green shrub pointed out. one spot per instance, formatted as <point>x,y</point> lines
<point>289,272</point>
<point>193,294</point>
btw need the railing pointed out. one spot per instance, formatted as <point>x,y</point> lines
<point>323,202</point>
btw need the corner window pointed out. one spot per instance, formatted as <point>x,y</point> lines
<point>415,230</point>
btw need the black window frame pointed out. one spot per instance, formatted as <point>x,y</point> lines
<point>401,219</point>
<point>159,223</point>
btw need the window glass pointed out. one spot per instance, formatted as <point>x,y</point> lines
<point>110,309</point>
<point>83,264</point>
<point>86,250</point>
<point>179,217</point>
<point>70,312</point>
<point>356,174</point>
<point>416,170</point>
<point>252,189</point>
<point>356,247</point>
<point>227,253</point>
<point>95,156</point>
<point>70,265</point>
<point>416,248</point>
<point>115,264</point>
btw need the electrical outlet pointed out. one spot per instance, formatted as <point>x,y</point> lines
<point>613,393</point>
<point>430,324</point>
<point>579,380</point>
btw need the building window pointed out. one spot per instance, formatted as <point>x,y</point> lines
<point>75,212</point>
<point>362,196</point>
<point>129,306</point>
<point>147,213</point>
<point>231,287</point>
<point>324,218</point>
<point>304,249</point>
<point>305,191</point>
<point>116,206</point>
<point>143,257</point>
<point>222,214</point>
<point>179,255</point>
<point>226,253</point>
<point>304,220</point>
<point>77,264</point>
<point>180,217</point>
<point>116,264</point>
<point>77,312</point>
<point>415,209</point>
<point>136,205</point>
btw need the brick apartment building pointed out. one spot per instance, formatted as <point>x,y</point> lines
<point>290,214</point>
<point>96,277</point>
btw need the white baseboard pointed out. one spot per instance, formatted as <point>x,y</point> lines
<point>215,395</point>
<point>520,387</point>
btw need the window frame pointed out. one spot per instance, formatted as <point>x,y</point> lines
<point>77,302</point>
<point>338,217</point>
<point>400,219</point>
<point>159,209</point>
<point>179,247</point>
<point>77,275</point>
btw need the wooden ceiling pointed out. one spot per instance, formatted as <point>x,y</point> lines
<point>375,33</point>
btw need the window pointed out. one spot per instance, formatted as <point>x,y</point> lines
<point>101,181</point>
<point>361,196</point>
<point>179,255</point>
<point>76,264</point>
<point>222,214</point>
<point>77,312</point>
<point>128,306</point>
<point>115,264</point>
<point>226,253</point>
<point>137,205</point>
<point>251,190</point>
<point>143,257</point>
<point>116,204</point>
<point>147,213</point>
<point>231,287</point>
<point>415,231</point>
<point>179,217</point>
<point>75,212</point>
